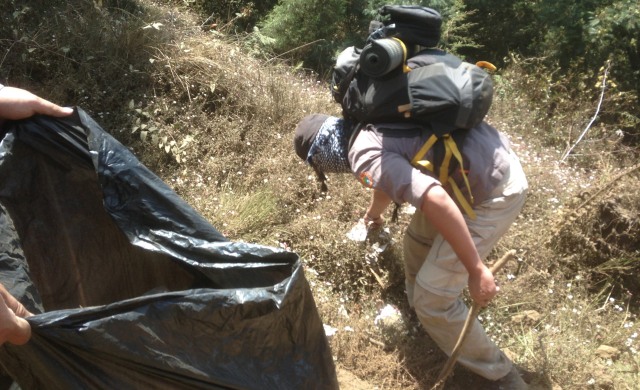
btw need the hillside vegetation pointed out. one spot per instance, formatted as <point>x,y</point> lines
<point>215,121</point>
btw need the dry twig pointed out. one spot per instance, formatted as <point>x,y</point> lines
<point>604,84</point>
<point>607,185</point>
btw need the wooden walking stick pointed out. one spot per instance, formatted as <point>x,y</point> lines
<point>473,313</point>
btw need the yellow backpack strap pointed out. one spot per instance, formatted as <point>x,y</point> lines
<point>418,158</point>
<point>451,149</point>
<point>486,65</point>
<point>450,143</point>
<point>461,199</point>
<point>405,67</point>
<point>444,167</point>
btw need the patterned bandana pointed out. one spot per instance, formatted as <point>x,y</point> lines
<point>329,151</point>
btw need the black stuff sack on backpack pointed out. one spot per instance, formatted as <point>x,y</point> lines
<point>130,286</point>
<point>413,24</point>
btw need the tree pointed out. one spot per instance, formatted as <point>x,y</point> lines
<point>306,29</point>
<point>613,33</point>
<point>500,28</point>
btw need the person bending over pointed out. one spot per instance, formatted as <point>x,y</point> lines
<point>446,240</point>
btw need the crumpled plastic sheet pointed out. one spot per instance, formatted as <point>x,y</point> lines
<point>130,286</point>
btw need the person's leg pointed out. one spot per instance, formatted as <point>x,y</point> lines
<point>442,278</point>
<point>443,318</point>
<point>417,242</point>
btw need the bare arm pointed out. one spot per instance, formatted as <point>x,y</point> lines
<point>379,202</point>
<point>445,215</point>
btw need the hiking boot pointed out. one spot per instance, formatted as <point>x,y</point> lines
<point>511,381</point>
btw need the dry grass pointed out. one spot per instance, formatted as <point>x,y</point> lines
<point>217,125</point>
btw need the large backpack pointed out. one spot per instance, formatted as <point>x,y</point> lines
<point>433,87</point>
<point>386,82</point>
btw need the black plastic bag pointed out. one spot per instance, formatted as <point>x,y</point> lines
<point>135,289</point>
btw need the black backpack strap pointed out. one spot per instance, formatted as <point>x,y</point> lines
<point>344,83</point>
<point>357,127</point>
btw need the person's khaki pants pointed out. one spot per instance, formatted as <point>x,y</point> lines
<point>435,278</point>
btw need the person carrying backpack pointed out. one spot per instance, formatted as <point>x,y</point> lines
<point>443,247</point>
<point>464,204</point>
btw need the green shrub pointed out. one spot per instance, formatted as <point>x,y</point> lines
<point>307,30</point>
<point>231,15</point>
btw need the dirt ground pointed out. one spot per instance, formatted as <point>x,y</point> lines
<point>348,381</point>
